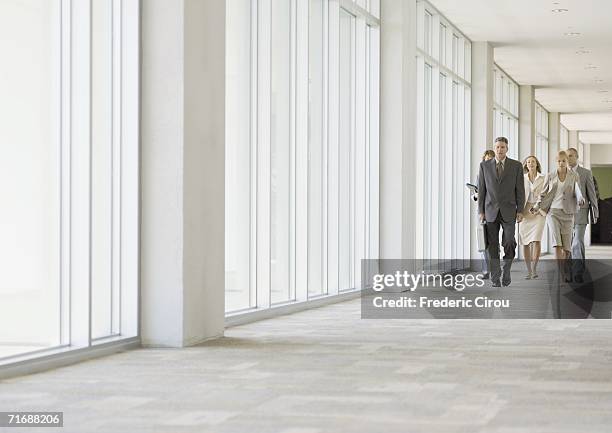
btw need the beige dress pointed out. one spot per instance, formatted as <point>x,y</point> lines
<point>531,228</point>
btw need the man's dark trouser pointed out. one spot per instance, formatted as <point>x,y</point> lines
<point>508,242</point>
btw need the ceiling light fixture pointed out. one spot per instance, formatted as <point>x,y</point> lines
<point>597,80</point>
<point>579,52</point>
<point>572,34</point>
<point>590,66</point>
<point>559,10</point>
<point>602,91</point>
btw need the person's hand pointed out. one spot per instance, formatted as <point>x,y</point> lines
<point>482,217</point>
<point>534,210</point>
<point>594,220</point>
<point>581,202</point>
<point>519,217</point>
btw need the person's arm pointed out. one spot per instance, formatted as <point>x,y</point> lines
<point>520,193</point>
<point>482,191</point>
<point>543,193</point>
<point>592,196</point>
<point>578,192</point>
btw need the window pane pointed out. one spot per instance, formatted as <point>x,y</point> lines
<point>442,57</point>
<point>427,35</point>
<point>238,156</point>
<point>105,204</point>
<point>317,146</point>
<point>280,156</point>
<point>455,64</point>
<point>29,176</point>
<point>427,143</point>
<point>345,148</point>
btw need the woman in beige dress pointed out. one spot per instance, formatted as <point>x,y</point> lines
<point>561,198</point>
<point>531,228</point>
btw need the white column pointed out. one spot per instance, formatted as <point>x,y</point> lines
<point>399,205</point>
<point>526,121</point>
<point>573,139</point>
<point>554,139</point>
<point>586,157</point>
<point>482,119</point>
<point>182,127</point>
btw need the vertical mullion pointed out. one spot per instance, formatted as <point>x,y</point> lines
<point>302,152</point>
<point>65,181</point>
<point>253,287</point>
<point>332,149</point>
<point>352,151</point>
<point>325,150</point>
<point>80,178</point>
<point>293,163</point>
<point>264,16</point>
<point>116,164</point>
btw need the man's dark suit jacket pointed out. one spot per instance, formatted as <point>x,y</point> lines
<point>506,194</point>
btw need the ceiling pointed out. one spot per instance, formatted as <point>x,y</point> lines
<point>571,74</point>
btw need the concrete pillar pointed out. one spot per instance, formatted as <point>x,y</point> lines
<point>573,139</point>
<point>554,139</point>
<point>482,118</point>
<point>398,189</point>
<point>585,158</point>
<point>527,124</point>
<point>183,133</point>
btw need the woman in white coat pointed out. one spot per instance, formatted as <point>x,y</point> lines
<point>531,228</point>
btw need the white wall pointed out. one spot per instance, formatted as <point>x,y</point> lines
<point>600,154</point>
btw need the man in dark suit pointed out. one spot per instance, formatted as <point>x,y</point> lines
<point>501,197</point>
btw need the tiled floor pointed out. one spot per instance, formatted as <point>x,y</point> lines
<point>326,370</point>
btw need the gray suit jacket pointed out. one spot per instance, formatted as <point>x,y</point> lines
<point>571,192</point>
<point>505,195</point>
<point>587,186</point>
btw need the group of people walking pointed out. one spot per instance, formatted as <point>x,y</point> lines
<point>511,192</point>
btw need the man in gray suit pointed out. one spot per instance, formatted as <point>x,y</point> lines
<point>501,198</point>
<point>581,218</point>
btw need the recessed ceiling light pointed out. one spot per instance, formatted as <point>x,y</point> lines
<point>579,52</point>
<point>590,66</point>
<point>597,80</point>
<point>572,34</point>
<point>602,91</point>
<point>559,10</point>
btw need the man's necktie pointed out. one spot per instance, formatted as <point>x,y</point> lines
<point>500,169</point>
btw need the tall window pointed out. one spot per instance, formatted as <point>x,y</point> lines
<point>541,116</point>
<point>68,174</point>
<point>302,149</point>
<point>444,74</point>
<point>563,137</point>
<point>506,109</point>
